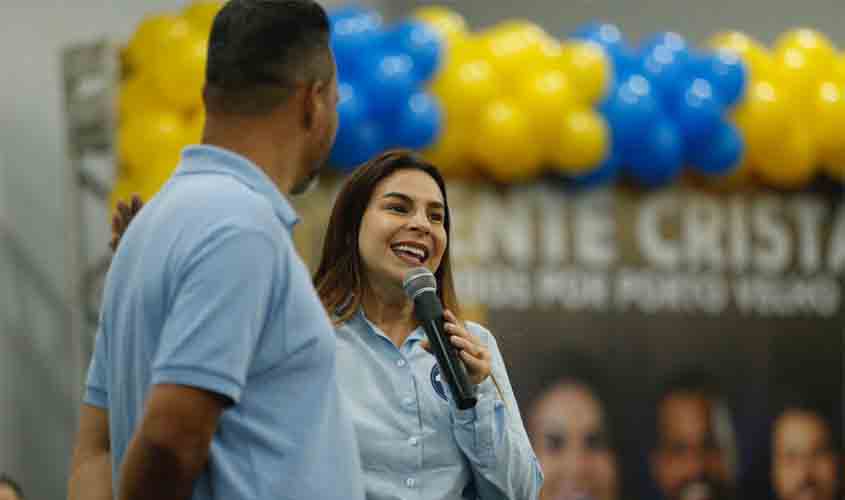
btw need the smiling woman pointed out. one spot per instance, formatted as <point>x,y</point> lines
<point>379,199</point>
<point>392,216</point>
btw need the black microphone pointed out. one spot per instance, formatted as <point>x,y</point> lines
<point>421,287</point>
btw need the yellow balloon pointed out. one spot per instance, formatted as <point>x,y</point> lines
<point>445,21</point>
<point>514,48</point>
<point>813,44</point>
<point>144,139</point>
<point>546,96</point>
<point>522,28</point>
<point>466,84</point>
<point>179,72</point>
<point>466,48</point>
<point>799,73</point>
<point>753,53</point>
<point>833,163</point>
<point>450,153</point>
<point>154,34</point>
<point>837,69</point>
<point>545,56</point>
<point>157,174</point>
<point>138,95</point>
<point>763,115</point>
<point>829,115</point>
<point>196,125</point>
<point>789,163</point>
<point>123,189</point>
<point>505,144</point>
<point>588,68</point>
<point>201,15</point>
<point>584,140</point>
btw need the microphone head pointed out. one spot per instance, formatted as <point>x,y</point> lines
<point>419,280</point>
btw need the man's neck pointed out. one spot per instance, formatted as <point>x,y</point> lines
<point>260,145</point>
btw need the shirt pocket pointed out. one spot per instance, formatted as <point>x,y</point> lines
<point>441,451</point>
<point>388,455</point>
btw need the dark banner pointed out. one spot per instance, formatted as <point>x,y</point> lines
<point>657,341</point>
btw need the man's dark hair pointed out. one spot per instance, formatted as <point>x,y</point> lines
<point>11,484</point>
<point>260,50</point>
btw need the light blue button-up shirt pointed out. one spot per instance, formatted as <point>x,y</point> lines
<point>207,290</point>
<point>414,443</point>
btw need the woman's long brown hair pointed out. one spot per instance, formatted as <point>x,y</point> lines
<point>339,279</point>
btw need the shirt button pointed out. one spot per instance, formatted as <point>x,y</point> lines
<point>410,482</point>
<point>413,441</point>
<point>408,402</point>
<point>400,363</point>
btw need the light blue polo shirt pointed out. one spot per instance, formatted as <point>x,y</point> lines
<point>206,290</point>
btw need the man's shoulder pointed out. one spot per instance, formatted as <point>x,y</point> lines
<point>221,195</point>
<point>195,210</point>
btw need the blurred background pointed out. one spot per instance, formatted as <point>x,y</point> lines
<point>666,179</point>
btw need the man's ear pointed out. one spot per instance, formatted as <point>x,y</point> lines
<point>313,103</point>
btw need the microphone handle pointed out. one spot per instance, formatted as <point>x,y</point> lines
<point>454,371</point>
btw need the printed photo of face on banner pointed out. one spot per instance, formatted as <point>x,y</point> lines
<point>799,455</point>
<point>806,448</point>
<point>695,451</point>
<point>571,428</point>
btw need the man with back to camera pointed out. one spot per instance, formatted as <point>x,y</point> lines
<point>806,460</point>
<point>213,375</point>
<point>695,450</point>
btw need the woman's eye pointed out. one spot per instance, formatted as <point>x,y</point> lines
<point>397,208</point>
<point>436,217</point>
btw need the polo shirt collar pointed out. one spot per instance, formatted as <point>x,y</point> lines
<point>212,159</point>
<point>365,324</point>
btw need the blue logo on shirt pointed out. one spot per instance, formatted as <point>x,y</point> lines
<point>437,382</point>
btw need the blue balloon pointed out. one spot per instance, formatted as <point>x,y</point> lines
<point>630,108</point>
<point>422,43</point>
<point>352,111</point>
<point>354,31</point>
<point>657,159</point>
<point>356,145</point>
<point>719,153</point>
<point>699,110</point>
<point>349,10</point>
<point>352,106</point>
<point>726,73</point>
<point>388,79</point>
<point>355,19</point>
<point>611,39</point>
<point>417,123</point>
<point>606,173</point>
<point>666,69</point>
<point>669,39</point>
